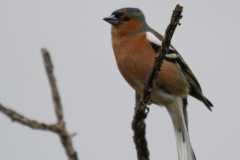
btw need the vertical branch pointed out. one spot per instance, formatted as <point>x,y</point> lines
<point>138,124</point>
<point>139,129</point>
<point>63,134</point>
<point>52,81</point>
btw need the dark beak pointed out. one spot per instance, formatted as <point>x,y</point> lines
<point>112,20</point>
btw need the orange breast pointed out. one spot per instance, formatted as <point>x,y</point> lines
<point>135,58</point>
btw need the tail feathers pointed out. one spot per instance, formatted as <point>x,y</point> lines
<point>209,103</point>
<point>185,151</point>
<point>195,92</point>
<point>178,113</point>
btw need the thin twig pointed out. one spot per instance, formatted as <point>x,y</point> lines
<point>52,81</point>
<point>59,127</point>
<point>25,121</point>
<point>64,135</point>
<point>138,124</point>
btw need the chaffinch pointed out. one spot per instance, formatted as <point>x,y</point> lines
<point>135,45</point>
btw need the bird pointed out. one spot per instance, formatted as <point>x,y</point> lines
<point>135,45</point>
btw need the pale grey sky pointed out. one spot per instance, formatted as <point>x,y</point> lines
<point>98,103</point>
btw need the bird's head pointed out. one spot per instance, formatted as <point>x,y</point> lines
<point>127,21</point>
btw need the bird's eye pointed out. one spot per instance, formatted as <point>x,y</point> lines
<point>126,18</point>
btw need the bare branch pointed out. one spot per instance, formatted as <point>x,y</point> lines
<point>138,124</point>
<point>63,134</point>
<point>25,121</point>
<point>150,84</point>
<point>59,127</point>
<point>52,81</point>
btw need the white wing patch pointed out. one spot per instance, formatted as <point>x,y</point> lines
<point>171,55</point>
<point>153,39</point>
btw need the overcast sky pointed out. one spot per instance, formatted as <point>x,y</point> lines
<point>98,103</point>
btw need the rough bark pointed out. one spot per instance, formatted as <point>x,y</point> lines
<point>138,123</point>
